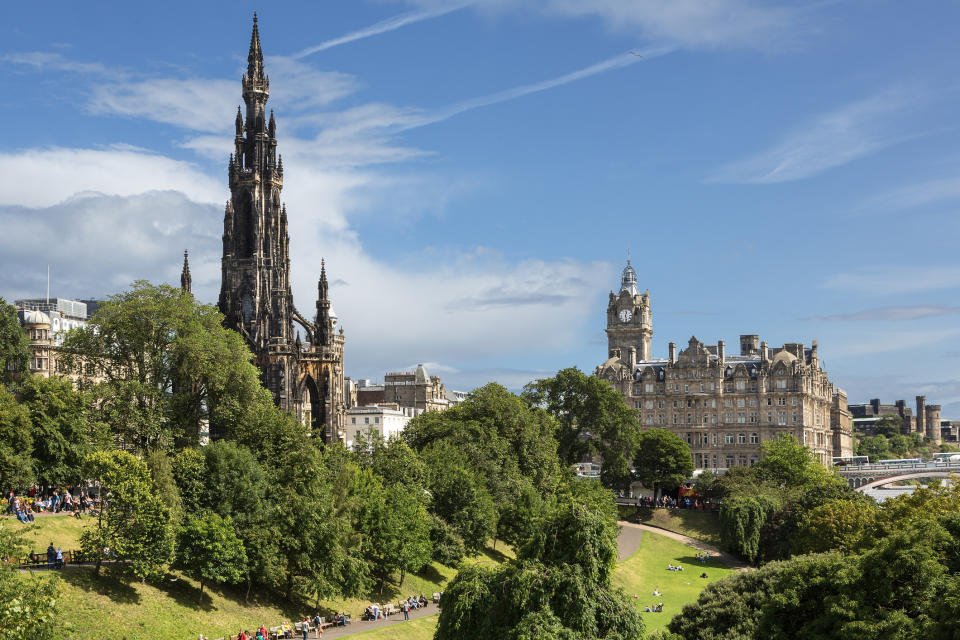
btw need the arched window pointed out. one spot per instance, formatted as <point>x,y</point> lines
<point>741,438</point>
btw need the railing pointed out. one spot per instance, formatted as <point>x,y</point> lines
<point>911,466</point>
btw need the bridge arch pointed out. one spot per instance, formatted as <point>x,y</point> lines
<point>912,475</point>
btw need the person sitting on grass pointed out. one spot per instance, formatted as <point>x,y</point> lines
<point>656,592</point>
<point>703,575</point>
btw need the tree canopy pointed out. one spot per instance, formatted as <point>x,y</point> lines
<point>170,369</point>
<point>14,347</point>
<point>592,418</point>
<point>662,460</point>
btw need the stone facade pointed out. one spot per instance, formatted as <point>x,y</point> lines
<point>417,390</point>
<point>255,295</point>
<point>724,406</point>
<point>387,420</point>
<point>926,421</point>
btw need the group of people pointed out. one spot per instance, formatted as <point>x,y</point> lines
<point>413,602</point>
<point>55,501</point>
<point>670,567</point>
<point>703,558</point>
<point>665,501</point>
<point>285,630</point>
<point>54,557</point>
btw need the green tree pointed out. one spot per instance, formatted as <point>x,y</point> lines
<point>460,496</point>
<point>170,368</point>
<point>875,447</point>
<point>190,473</point>
<point>787,463</point>
<point>16,443</point>
<point>558,587</point>
<point>14,347</point>
<point>134,524</point>
<point>663,459</point>
<point>165,485</point>
<point>839,524</point>
<point>209,550</point>
<point>593,418</point>
<point>62,433</point>
<point>899,444</point>
<point>28,603</point>
<point>888,426</point>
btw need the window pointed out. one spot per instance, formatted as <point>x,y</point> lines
<point>769,416</point>
<point>781,417</point>
<point>691,403</point>
<point>728,402</point>
<point>793,401</point>
<point>741,402</point>
<point>689,418</point>
<point>753,402</point>
<point>648,388</point>
<point>366,421</point>
<point>754,459</point>
<point>702,387</point>
<point>754,439</point>
<point>741,438</point>
<point>674,404</point>
<point>674,418</point>
<point>753,417</point>
<point>376,420</point>
<point>781,402</point>
<point>686,388</point>
<point>728,438</point>
<point>769,402</point>
<point>741,385</point>
<point>353,421</point>
<point>659,404</point>
<point>793,418</point>
<point>689,438</point>
<point>649,404</point>
<point>781,384</point>
<point>741,418</point>
<point>714,442</point>
<point>729,461</point>
<point>742,461</point>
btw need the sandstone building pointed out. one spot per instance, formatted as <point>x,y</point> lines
<point>416,390</point>
<point>305,378</point>
<point>722,405</point>
<point>926,421</point>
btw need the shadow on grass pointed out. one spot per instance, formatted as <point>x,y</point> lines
<point>430,574</point>
<point>494,555</point>
<point>110,583</point>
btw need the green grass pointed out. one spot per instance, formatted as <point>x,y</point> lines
<point>646,570</point>
<point>702,525</point>
<point>63,531</point>
<point>419,629</point>
<point>114,606</point>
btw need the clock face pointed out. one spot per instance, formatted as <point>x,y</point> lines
<point>625,315</point>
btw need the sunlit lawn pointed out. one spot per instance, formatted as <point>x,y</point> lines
<point>646,570</point>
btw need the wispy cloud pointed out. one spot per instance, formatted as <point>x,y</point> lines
<point>894,280</point>
<point>688,24</point>
<point>917,195</point>
<point>390,24</point>
<point>616,62</point>
<point>889,314</point>
<point>829,140</point>
<point>52,61</point>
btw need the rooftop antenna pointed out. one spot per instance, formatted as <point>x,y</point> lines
<point>48,283</point>
<point>628,254</point>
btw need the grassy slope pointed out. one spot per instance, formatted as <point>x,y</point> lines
<point>702,525</point>
<point>63,531</point>
<point>110,607</point>
<point>646,570</point>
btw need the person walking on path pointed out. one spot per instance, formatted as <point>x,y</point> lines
<point>305,627</point>
<point>406,611</point>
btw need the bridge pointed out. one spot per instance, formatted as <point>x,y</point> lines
<point>863,477</point>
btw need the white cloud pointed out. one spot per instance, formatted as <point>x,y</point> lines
<point>52,61</point>
<point>827,141</point>
<point>384,26</point>
<point>891,280</point>
<point>917,195</point>
<point>691,24</point>
<point>43,177</point>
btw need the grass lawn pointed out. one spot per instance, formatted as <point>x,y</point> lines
<point>419,629</point>
<point>646,570</point>
<point>63,531</point>
<point>115,607</point>
<point>702,525</point>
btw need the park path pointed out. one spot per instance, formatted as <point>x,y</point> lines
<point>699,545</point>
<point>359,626</point>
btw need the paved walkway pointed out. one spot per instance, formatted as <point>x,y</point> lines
<point>723,556</point>
<point>359,626</point>
<point>628,541</point>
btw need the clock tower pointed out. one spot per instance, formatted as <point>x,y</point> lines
<point>629,322</point>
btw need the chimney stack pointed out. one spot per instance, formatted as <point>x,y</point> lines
<point>673,352</point>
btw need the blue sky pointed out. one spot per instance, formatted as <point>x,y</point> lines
<point>474,172</point>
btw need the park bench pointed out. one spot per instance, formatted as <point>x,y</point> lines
<point>436,598</point>
<point>298,627</point>
<point>389,610</point>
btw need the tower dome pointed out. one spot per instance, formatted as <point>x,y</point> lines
<point>628,281</point>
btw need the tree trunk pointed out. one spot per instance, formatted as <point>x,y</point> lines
<point>201,592</point>
<point>403,574</point>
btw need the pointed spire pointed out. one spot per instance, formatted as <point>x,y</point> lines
<point>255,57</point>
<point>323,307</point>
<point>272,127</point>
<point>239,122</point>
<point>185,280</point>
<point>280,168</point>
<point>322,286</point>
